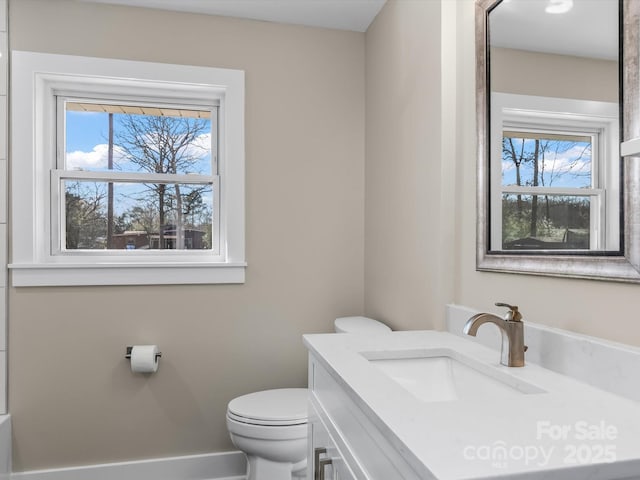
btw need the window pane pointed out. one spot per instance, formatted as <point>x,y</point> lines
<point>532,222</point>
<point>546,160</point>
<point>126,138</point>
<point>142,216</point>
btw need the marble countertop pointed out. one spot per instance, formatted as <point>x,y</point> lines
<point>568,431</point>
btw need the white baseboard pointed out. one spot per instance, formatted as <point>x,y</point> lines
<point>212,466</point>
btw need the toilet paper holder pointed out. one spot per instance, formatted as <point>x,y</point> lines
<point>128,354</point>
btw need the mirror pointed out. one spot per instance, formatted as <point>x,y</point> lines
<point>553,79</point>
<point>554,132</point>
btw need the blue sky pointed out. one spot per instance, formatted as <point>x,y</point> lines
<point>87,142</point>
<point>566,165</point>
<point>89,129</point>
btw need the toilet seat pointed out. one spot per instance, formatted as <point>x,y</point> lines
<point>280,407</point>
<point>270,433</point>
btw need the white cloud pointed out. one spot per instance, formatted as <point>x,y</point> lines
<point>574,161</point>
<point>507,165</point>
<point>96,159</point>
<point>200,147</point>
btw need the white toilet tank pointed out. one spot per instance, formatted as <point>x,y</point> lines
<point>359,325</point>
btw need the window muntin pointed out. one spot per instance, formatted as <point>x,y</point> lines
<point>153,154</point>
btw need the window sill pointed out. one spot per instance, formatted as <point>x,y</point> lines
<point>39,275</point>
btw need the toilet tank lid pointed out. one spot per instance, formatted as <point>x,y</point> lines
<point>279,405</point>
<point>360,325</point>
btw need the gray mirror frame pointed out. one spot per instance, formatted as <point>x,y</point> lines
<point>622,268</point>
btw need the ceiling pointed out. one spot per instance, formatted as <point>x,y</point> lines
<point>355,15</point>
<point>589,29</point>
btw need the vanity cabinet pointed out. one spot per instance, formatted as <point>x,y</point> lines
<point>430,405</point>
<point>340,432</point>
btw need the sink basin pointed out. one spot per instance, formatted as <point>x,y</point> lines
<point>444,375</point>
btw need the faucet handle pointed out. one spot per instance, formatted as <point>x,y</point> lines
<point>513,315</point>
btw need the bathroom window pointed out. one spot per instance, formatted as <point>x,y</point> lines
<point>553,165</point>
<point>551,197</point>
<point>135,174</point>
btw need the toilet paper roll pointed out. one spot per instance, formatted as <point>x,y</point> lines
<point>144,358</point>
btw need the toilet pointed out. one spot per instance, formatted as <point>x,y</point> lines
<point>270,426</point>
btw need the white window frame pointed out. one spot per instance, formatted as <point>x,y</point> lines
<point>37,81</point>
<point>600,120</point>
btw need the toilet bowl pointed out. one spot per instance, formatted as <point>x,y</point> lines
<point>270,426</point>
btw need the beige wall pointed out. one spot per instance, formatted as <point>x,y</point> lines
<point>72,396</point>
<point>407,275</point>
<point>604,309</point>
<point>549,75</point>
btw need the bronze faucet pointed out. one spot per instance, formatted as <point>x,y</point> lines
<point>512,330</point>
